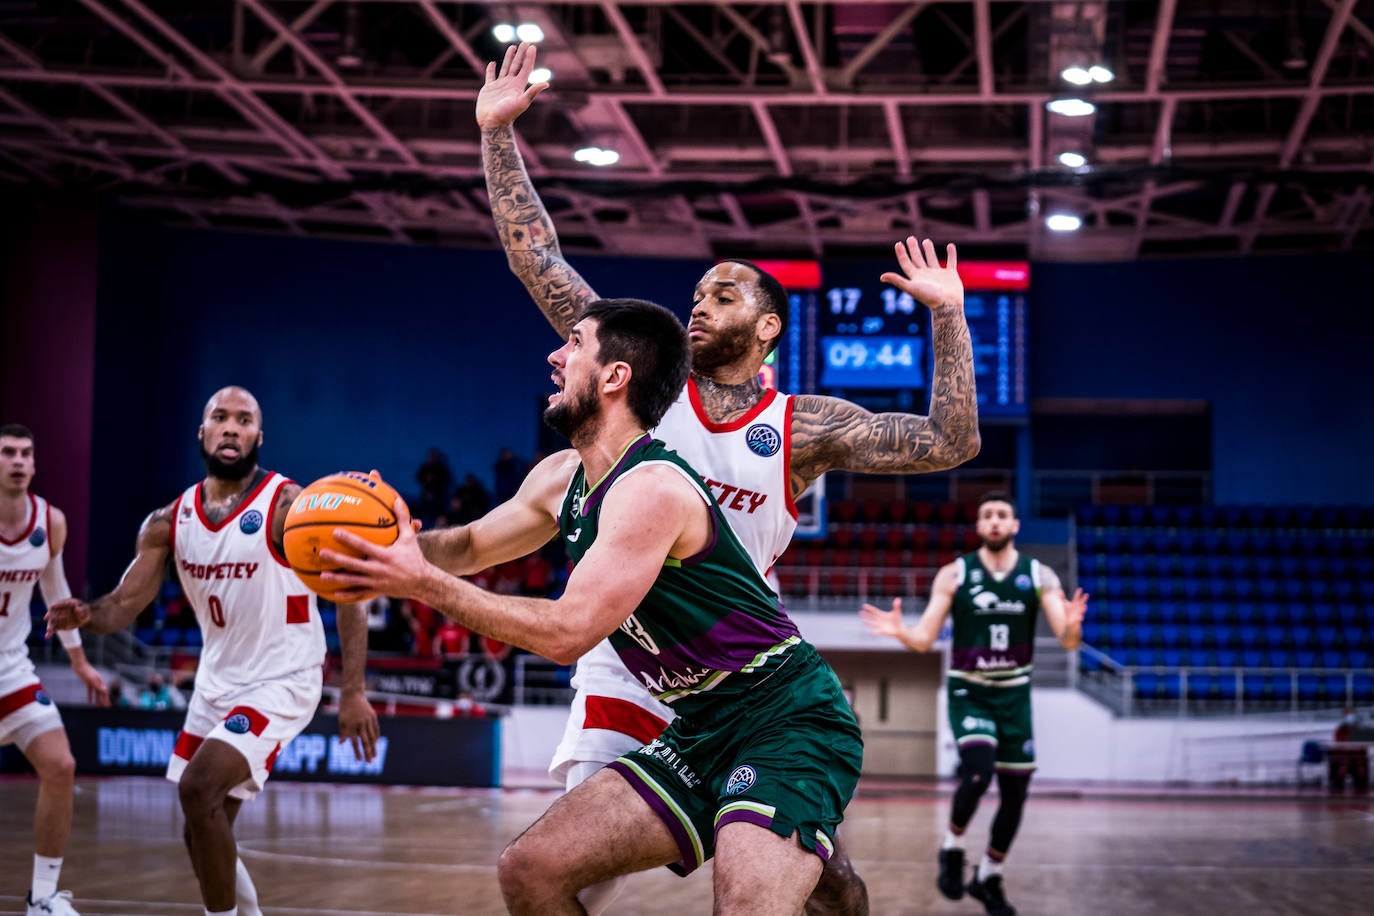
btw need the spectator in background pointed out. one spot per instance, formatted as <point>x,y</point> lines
<point>424,623</point>
<point>117,697</point>
<point>436,482</point>
<point>467,707</point>
<point>507,472</point>
<point>471,501</point>
<point>156,695</point>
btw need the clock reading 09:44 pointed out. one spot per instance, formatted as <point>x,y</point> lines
<point>872,362</point>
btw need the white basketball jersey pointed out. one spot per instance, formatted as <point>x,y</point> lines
<point>22,562</point>
<point>259,622</point>
<point>745,465</point>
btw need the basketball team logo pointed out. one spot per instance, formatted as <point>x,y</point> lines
<point>250,522</point>
<point>238,724</point>
<point>42,698</point>
<point>1023,581</point>
<point>38,538</point>
<point>763,440</point>
<point>975,576</point>
<point>740,780</point>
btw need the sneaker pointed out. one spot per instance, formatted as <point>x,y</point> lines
<point>989,893</point>
<point>59,904</point>
<point>951,880</point>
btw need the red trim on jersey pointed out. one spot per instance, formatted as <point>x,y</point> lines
<point>297,608</point>
<point>256,720</point>
<point>172,536</point>
<point>271,541</point>
<point>47,520</point>
<point>187,745</point>
<point>11,702</point>
<point>695,397</point>
<point>787,460</point>
<point>272,757</point>
<point>33,523</point>
<point>243,503</point>
<point>624,717</point>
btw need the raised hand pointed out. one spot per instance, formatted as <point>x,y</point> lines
<point>505,95</point>
<point>881,622</point>
<point>923,277</point>
<point>1075,610</point>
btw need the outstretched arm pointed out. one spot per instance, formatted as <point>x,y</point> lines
<point>526,231</point>
<point>922,635</point>
<point>1065,617</point>
<point>54,585</point>
<point>136,590</point>
<point>833,434</point>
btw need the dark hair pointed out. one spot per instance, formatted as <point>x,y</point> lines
<point>16,431</point>
<point>653,342</point>
<point>774,297</point>
<point>997,496</point>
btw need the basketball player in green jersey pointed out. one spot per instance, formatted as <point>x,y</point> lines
<point>993,595</point>
<point>764,754</point>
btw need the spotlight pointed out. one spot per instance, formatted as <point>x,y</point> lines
<point>1062,222</point>
<point>1073,160</point>
<point>1076,75</point>
<point>503,32</point>
<point>1071,108</point>
<point>528,31</point>
<point>541,75</point>
<point>1100,74</point>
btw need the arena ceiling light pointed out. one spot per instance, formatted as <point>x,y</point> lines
<point>595,155</point>
<point>540,75</point>
<point>528,31</point>
<point>1073,160</point>
<point>1071,108</point>
<point>503,32</point>
<point>1062,222</point>
<point>1086,76</point>
<point>1101,74</point>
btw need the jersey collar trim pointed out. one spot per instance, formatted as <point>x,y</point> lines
<point>594,493</point>
<point>694,395</point>
<point>243,503</point>
<point>33,522</point>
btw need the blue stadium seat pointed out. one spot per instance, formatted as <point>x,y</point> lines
<point>1164,543</point>
<point>1196,612</point>
<point>1247,614</point>
<point>1272,612</point>
<point>1354,637</point>
<point>1224,635</point>
<point>1227,658</point>
<point>1171,658</point>
<point>1303,637</point>
<point>1363,687</point>
<point>1171,635</point>
<point>1280,686</point>
<point>1170,612</point>
<point>1324,616</point>
<point>1339,567</point>
<point>1112,564</point>
<point>1280,658</point>
<point>1253,658</point>
<point>1309,687</point>
<point>1333,658</point>
<point>1089,540</point>
<point>1119,636</point>
<point>1243,589</point>
<point>1305,658</point>
<point>1190,567</point>
<point>1091,629</point>
<point>1357,658</point>
<point>1250,636</point>
<point>146,635</point>
<point>1200,636</point>
<point>192,638</point>
<point>1225,688</point>
<point>1277,637</point>
<point>1362,566</point>
<point>1268,589</point>
<point>1189,542</point>
<point>1147,657</point>
<point>1147,685</point>
<point>1142,612</point>
<point>1185,516</point>
<point>1201,686</point>
<point>1255,686</point>
<point>1345,590</point>
<point>1318,590</point>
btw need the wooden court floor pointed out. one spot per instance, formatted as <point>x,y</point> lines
<point>323,850</point>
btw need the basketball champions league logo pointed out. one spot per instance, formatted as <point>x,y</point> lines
<point>763,440</point>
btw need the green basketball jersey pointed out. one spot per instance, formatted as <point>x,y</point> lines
<point>710,628</point>
<point>994,621</point>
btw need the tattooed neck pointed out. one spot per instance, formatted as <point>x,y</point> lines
<point>220,509</point>
<point>725,402</point>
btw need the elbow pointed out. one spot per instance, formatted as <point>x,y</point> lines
<point>566,650</point>
<point>955,448</point>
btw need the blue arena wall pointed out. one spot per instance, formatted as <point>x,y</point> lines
<point>364,355</point>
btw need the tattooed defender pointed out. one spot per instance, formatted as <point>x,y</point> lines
<point>994,596</point>
<point>32,535</point>
<point>757,449</point>
<point>759,765</point>
<point>260,674</point>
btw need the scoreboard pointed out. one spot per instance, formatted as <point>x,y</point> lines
<point>852,336</point>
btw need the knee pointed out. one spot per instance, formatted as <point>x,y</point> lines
<point>839,892</point>
<point>1014,787</point>
<point>198,799</point>
<point>58,770</point>
<point>520,870</point>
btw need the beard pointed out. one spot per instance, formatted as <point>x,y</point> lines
<point>229,470</point>
<point>726,347</point>
<point>997,546</point>
<point>572,414</point>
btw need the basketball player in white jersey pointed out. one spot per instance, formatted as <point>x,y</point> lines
<point>758,449</point>
<point>260,675</point>
<point>32,535</point>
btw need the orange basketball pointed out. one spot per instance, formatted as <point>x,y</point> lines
<point>349,500</point>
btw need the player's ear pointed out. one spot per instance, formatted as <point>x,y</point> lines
<point>768,327</point>
<point>615,376</point>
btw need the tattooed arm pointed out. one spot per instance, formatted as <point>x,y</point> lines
<point>136,590</point>
<point>526,232</point>
<point>832,434</point>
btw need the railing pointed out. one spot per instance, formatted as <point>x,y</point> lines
<point>1059,493</point>
<point>808,585</point>
<point>1114,684</point>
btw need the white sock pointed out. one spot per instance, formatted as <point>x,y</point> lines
<point>953,840</point>
<point>987,868</point>
<point>233,912</point>
<point>245,891</point>
<point>45,874</point>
